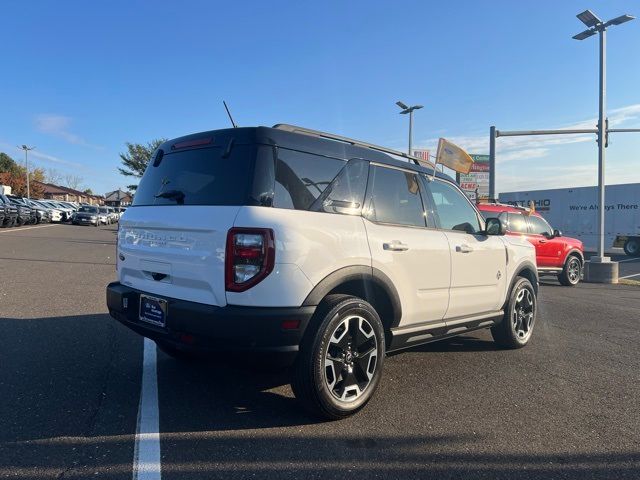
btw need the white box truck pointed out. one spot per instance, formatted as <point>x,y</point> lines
<point>574,211</point>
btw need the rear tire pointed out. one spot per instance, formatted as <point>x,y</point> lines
<point>341,357</point>
<point>570,275</point>
<point>516,328</point>
<point>632,247</point>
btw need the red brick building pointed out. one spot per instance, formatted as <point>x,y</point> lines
<point>57,192</point>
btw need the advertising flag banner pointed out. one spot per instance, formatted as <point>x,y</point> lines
<point>452,156</point>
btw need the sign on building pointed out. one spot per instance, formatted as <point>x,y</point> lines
<point>422,155</point>
<point>476,183</point>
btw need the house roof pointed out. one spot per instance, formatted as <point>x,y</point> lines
<point>58,189</point>
<point>116,195</point>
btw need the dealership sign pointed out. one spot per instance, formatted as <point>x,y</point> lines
<point>476,183</point>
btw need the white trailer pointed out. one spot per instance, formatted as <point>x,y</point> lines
<point>574,211</point>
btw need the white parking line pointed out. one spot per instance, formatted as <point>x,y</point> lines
<point>21,229</point>
<point>146,456</point>
<point>629,276</point>
<point>629,260</point>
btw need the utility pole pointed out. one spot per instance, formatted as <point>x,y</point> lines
<point>26,162</point>
<point>407,109</point>
<point>596,270</point>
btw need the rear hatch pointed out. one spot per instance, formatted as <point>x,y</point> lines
<point>171,241</point>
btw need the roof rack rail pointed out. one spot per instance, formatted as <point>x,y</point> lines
<point>502,204</point>
<point>351,141</point>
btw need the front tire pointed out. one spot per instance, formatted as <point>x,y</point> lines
<point>341,358</point>
<point>632,247</point>
<point>515,329</point>
<point>570,275</point>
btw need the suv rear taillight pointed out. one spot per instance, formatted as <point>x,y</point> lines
<point>249,257</point>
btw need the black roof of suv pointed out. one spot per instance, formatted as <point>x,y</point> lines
<point>294,141</point>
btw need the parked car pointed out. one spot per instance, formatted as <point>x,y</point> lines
<point>26,215</point>
<point>104,216</point>
<point>43,214</point>
<point>286,240</point>
<point>55,213</point>
<point>10,212</point>
<point>86,215</point>
<point>67,211</point>
<point>555,253</point>
<point>64,213</point>
<point>113,215</point>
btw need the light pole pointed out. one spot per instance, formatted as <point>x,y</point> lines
<point>406,109</point>
<point>598,26</point>
<point>26,162</point>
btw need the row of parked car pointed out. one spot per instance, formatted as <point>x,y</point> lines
<point>16,211</point>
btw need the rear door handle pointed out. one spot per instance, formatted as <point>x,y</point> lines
<point>464,248</point>
<point>395,246</point>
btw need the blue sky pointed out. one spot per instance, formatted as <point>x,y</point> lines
<point>81,78</point>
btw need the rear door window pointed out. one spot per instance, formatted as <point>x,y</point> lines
<point>394,197</point>
<point>517,223</point>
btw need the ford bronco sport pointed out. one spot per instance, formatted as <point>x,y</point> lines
<point>336,251</point>
<point>555,254</point>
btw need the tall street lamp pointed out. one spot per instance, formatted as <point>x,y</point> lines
<point>595,25</point>
<point>26,162</point>
<point>406,109</point>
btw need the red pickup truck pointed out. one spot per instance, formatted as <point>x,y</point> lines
<point>558,255</point>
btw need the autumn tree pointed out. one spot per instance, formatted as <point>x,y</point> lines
<point>136,158</point>
<point>15,176</point>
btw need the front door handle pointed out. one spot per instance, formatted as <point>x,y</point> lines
<point>395,246</point>
<point>464,248</point>
<point>543,241</point>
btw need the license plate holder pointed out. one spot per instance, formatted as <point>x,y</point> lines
<point>153,310</point>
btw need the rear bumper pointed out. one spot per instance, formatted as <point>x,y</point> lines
<point>199,327</point>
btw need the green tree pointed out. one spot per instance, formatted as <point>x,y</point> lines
<point>88,191</point>
<point>8,164</point>
<point>136,158</point>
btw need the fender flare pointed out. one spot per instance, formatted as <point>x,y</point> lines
<point>361,273</point>
<point>529,266</point>
<point>571,252</point>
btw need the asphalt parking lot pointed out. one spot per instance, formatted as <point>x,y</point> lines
<point>70,378</point>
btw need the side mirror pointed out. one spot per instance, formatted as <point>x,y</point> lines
<point>557,233</point>
<point>494,226</point>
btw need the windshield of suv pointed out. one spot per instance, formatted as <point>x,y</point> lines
<point>200,176</point>
<point>88,209</point>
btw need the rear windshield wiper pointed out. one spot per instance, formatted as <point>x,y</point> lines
<point>176,195</point>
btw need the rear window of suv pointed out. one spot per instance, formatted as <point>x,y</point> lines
<point>203,176</point>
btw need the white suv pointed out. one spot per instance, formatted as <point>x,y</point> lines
<point>291,241</point>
